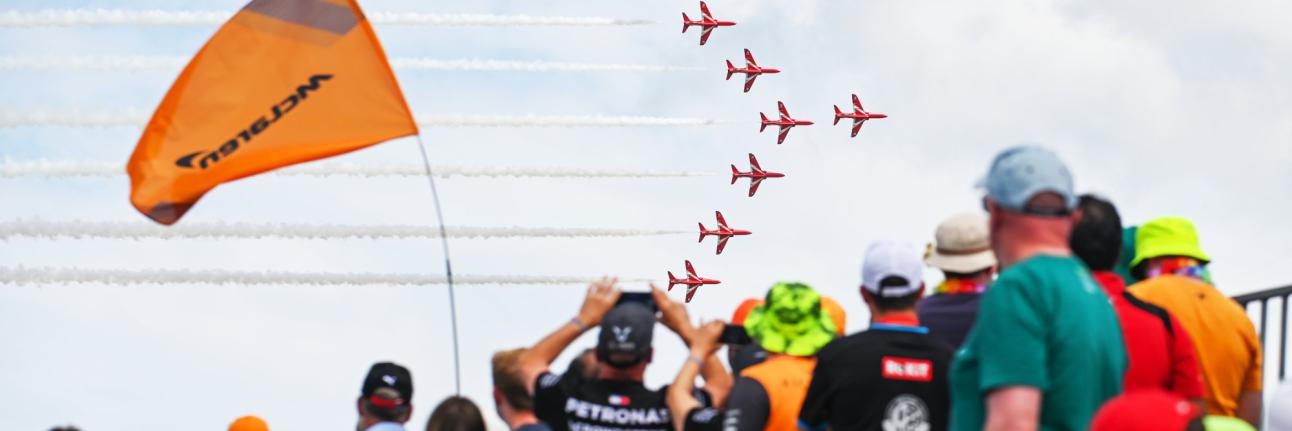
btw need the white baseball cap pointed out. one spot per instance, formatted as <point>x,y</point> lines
<point>892,259</point>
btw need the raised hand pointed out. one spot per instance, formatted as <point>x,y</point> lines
<point>602,296</point>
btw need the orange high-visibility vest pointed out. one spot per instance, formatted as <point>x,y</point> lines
<point>786,379</point>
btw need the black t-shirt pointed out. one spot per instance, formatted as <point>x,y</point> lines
<point>540,426</point>
<point>747,410</point>
<point>891,378</point>
<point>704,419</point>
<point>570,403</point>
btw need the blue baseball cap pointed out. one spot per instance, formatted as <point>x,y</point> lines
<point>1020,173</point>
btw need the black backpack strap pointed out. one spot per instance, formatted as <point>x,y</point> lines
<point>1160,312</point>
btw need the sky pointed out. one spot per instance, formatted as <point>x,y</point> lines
<point>1166,108</point>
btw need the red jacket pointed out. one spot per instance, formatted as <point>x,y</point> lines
<point>1160,350</point>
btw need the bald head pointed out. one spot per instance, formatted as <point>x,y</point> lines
<point>1018,235</point>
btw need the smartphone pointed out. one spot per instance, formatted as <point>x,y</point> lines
<point>735,334</point>
<point>643,298</point>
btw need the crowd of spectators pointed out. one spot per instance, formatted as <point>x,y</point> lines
<point>1050,315</point>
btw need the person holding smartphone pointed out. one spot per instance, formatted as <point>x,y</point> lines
<point>616,398</point>
<point>688,412</point>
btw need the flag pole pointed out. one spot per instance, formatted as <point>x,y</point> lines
<point>448,268</point>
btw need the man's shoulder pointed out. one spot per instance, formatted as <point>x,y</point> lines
<point>386,426</point>
<point>846,344</point>
<point>548,380</point>
<point>538,426</point>
<point>1170,285</point>
<point>1181,288</point>
<point>1129,305</point>
<point>1043,266</point>
<point>949,304</point>
<point>873,342</point>
<point>1063,275</point>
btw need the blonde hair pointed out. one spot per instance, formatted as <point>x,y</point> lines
<point>507,378</point>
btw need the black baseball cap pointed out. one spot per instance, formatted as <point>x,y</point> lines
<point>626,333</point>
<point>388,385</point>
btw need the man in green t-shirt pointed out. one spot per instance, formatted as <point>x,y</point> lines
<point>1047,350</point>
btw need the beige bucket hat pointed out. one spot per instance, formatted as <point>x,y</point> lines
<point>962,245</point>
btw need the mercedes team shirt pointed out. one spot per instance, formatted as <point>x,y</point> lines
<point>571,403</point>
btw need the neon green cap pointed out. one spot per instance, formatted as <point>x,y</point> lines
<point>791,321</point>
<point>1167,236</point>
<point>1226,423</point>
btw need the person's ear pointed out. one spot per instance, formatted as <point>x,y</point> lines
<point>920,293</point>
<point>1076,215</point>
<point>408,414</point>
<point>358,405</point>
<point>865,296</point>
<point>994,216</point>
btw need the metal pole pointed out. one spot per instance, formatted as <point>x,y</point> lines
<point>1283,337</point>
<point>1265,307</point>
<point>448,268</point>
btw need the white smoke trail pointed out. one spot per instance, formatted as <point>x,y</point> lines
<point>21,275</point>
<point>42,229</point>
<point>134,117</point>
<point>558,121</point>
<point>526,66</point>
<point>71,169</point>
<point>140,63</point>
<point>121,118</point>
<point>134,63</point>
<point>90,17</point>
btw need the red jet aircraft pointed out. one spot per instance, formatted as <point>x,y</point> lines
<point>859,115</point>
<point>785,123</point>
<point>706,23</point>
<point>723,232</point>
<point>756,175</point>
<point>751,70</point>
<point>692,281</point>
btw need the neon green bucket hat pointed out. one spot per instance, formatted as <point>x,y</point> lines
<point>791,321</point>
<point>1167,236</point>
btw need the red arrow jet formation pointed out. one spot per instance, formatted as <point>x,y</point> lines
<point>751,70</point>
<point>785,123</point>
<point>858,116</point>
<point>706,23</point>
<point>692,281</point>
<point>756,175</point>
<point>723,232</point>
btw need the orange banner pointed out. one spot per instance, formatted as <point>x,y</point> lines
<point>283,82</point>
